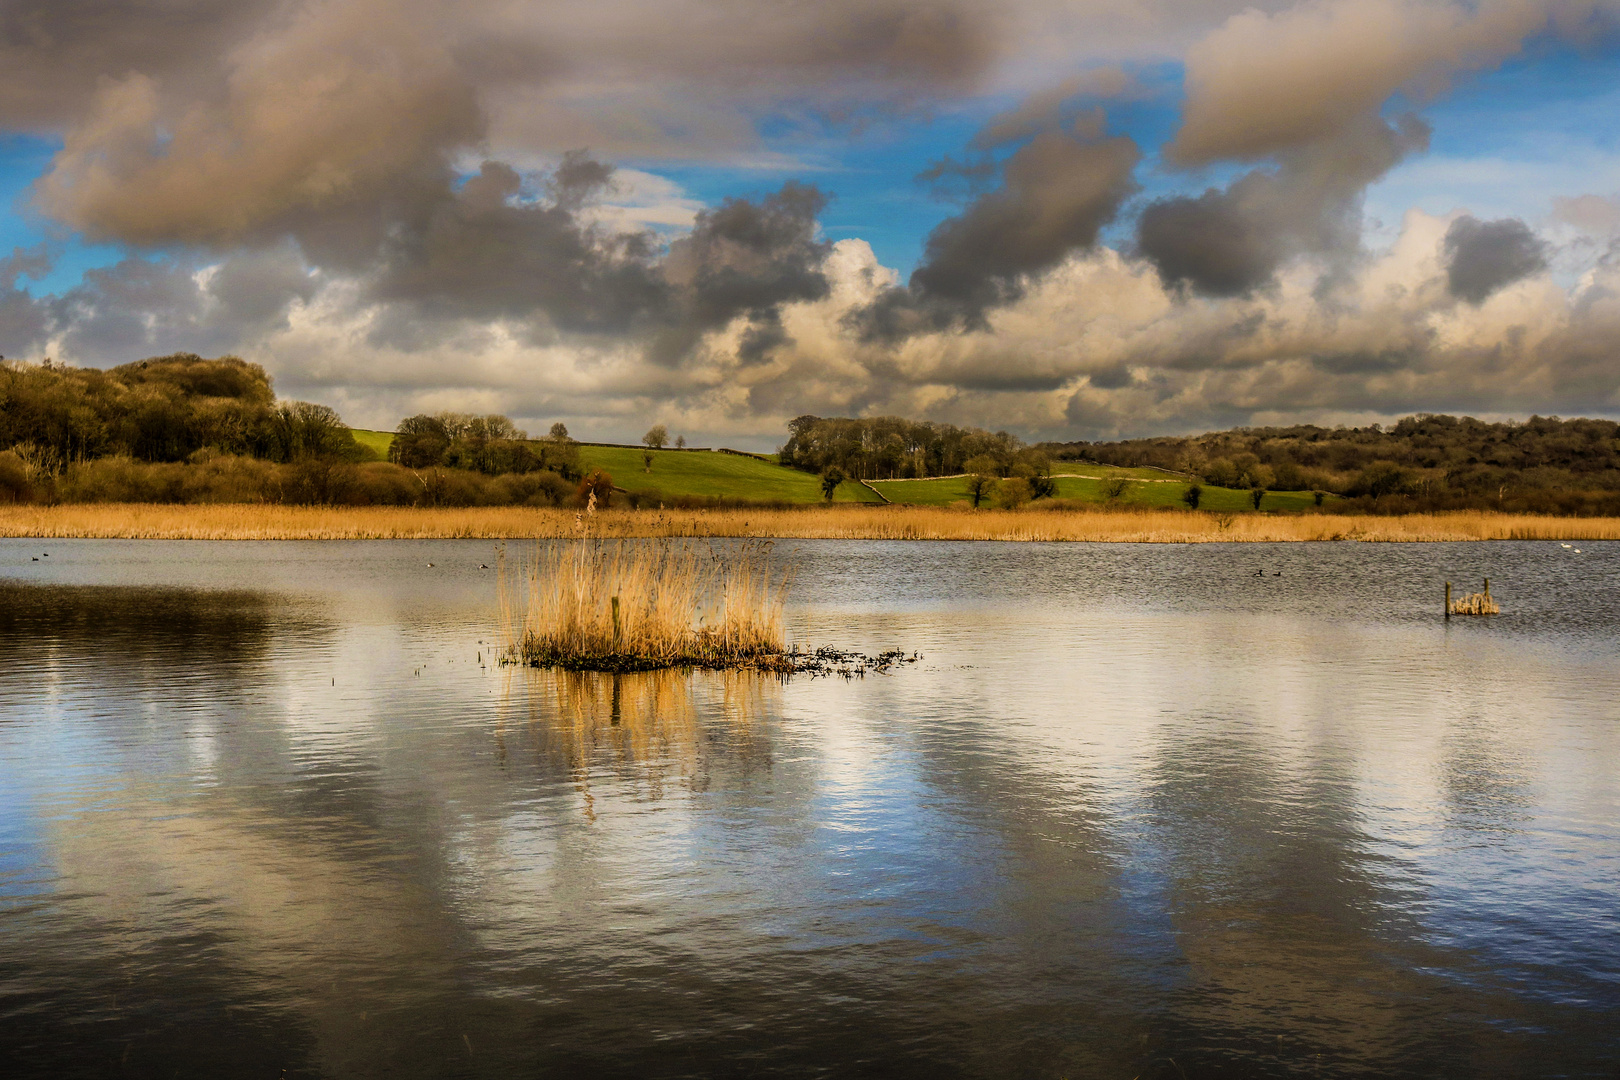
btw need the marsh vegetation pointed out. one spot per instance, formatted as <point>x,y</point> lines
<point>1039,521</point>
<point>612,605</point>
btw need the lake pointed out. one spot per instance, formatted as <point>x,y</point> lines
<point>271,809</point>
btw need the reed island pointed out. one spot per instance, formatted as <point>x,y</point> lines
<point>621,606</point>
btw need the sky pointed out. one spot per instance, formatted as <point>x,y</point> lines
<point>1080,219</point>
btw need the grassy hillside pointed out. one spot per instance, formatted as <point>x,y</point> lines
<point>710,474</point>
<point>1149,487</point>
<point>1070,468</point>
<point>374,443</point>
<point>692,472</point>
<point>683,472</point>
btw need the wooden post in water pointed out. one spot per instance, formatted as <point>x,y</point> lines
<point>1448,601</point>
<point>616,634</point>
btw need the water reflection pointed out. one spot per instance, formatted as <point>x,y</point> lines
<point>1487,780</point>
<point>1292,933</point>
<point>41,624</point>
<point>647,729</point>
<point>1112,825</point>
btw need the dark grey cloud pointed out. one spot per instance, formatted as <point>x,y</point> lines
<point>1484,256</point>
<point>1057,191</point>
<point>493,250</point>
<point>255,288</point>
<point>53,52</point>
<point>1212,242</point>
<point>127,308</point>
<point>1228,242</point>
<point>142,306</point>
<point>747,258</point>
<point>761,339</point>
<point>1302,89</point>
<point>23,319</point>
<point>485,252</point>
<point>1111,378</point>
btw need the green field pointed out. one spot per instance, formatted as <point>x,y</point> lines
<point>1071,468</point>
<point>706,474</point>
<point>709,473</point>
<point>374,443</point>
<point>1148,492</point>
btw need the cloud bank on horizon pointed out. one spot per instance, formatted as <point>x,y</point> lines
<point>399,205</point>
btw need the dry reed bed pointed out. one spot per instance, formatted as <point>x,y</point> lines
<point>261,522</point>
<point>1479,603</point>
<point>612,605</point>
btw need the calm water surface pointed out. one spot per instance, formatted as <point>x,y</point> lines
<point>270,810</point>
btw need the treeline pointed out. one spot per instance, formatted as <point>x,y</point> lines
<point>1424,462</point>
<point>164,409</point>
<point>180,429</point>
<point>209,477</point>
<point>491,445</point>
<point>892,448</point>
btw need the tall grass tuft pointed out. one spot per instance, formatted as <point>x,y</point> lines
<point>617,605</point>
<point>1479,603</point>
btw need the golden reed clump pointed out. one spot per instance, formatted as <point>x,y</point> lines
<point>271,522</point>
<point>629,604</point>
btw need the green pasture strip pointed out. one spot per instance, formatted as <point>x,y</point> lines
<point>1076,468</point>
<point>713,474</point>
<point>941,491</point>
<point>374,443</point>
<point>946,490</point>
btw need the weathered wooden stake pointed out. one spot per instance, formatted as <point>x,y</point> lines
<point>1448,601</point>
<point>616,634</point>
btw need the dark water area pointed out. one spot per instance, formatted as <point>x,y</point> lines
<point>271,810</point>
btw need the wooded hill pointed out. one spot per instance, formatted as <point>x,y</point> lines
<point>890,447</point>
<point>1424,462</point>
<point>185,429</point>
<point>163,409</point>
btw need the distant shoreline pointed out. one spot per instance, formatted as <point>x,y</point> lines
<point>154,521</point>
